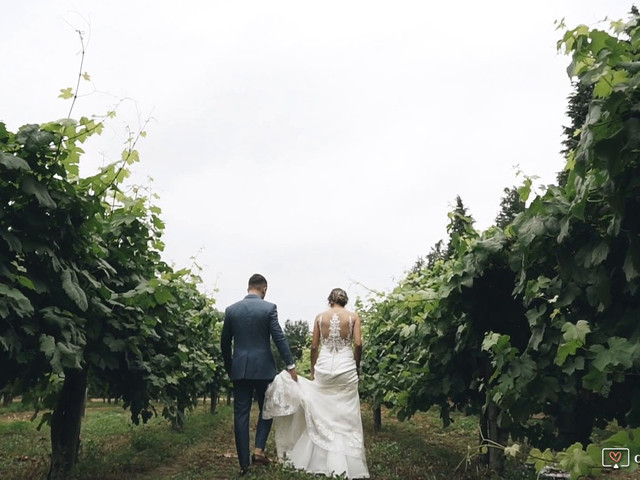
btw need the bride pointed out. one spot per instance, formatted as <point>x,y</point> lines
<point>317,422</point>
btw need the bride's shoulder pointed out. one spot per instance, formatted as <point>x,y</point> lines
<point>348,315</point>
<point>342,314</point>
<point>351,314</point>
<point>355,318</point>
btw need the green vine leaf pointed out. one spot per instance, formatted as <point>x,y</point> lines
<point>32,187</point>
<point>577,332</point>
<point>13,162</point>
<point>576,461</point>
<point>18,301</point>
<point>72,288</point>
<point>66,93</point>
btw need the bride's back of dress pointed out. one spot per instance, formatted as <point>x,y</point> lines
<point>336,330</point>
<point>318,423</point>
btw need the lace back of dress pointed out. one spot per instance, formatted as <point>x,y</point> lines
<point>334,341</point>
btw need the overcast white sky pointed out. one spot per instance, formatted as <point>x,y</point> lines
<point>318,143</point>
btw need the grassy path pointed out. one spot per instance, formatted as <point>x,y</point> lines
<point>114,449</point>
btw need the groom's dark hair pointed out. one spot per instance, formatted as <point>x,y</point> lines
<point>257,281</point>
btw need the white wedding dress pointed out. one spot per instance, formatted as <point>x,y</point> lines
<point>318,426</point>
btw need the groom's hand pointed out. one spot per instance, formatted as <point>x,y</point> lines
<point>293,374</point>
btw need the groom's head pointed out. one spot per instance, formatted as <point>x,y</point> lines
<point>257,285</point>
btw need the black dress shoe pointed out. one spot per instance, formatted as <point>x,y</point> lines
<point>244,471</point>
<point>260,459</point>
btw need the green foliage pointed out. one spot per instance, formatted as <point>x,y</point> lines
<point>299,339</point>
<point>580,462</point>
<point>534,321</point>
<point>83,285</point>
<point>298,336</point>
<point>436,253</point>
<point>577,111</point>
<point>510,206</point>
<point>572,247</point>
<point>460,226</point>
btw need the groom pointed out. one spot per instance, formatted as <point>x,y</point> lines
<point>251,323</point>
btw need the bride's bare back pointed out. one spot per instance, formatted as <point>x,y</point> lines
<point>336,328</point>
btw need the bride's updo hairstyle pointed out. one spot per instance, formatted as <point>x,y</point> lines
<point>338,296</point>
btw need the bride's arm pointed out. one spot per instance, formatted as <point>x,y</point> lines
<point>315,343</point>
<point>357,340</point>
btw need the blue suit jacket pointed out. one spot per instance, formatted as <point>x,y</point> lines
<point>251,323</point>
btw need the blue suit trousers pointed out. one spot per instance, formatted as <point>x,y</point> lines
<point>243,391</point>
